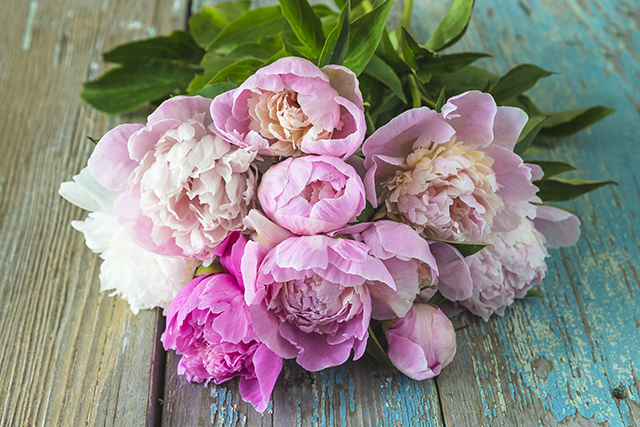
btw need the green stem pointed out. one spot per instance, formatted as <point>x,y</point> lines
<point>428,101</point>
<point>437,298</point>
<point>406,14</point>
<point>416,96</point>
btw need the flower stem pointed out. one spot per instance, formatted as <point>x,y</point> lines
<point>416,96</point>
<point>406,14</point>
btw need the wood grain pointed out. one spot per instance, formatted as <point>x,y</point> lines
<point>70,355</point>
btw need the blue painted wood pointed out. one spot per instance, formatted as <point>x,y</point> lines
<point>561,358</point>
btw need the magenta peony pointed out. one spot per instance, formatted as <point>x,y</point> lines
<point>312,194</point>
<point>209,324</point>
<point>309,297</point>
<point>422,342</point>
<point>292,107</point>
<point>451,174</point>
<point>506,270</point>
<point>184,188</point>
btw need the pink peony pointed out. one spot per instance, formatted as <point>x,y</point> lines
<point>422,342</point>
<point>292,107</point>
<point>208,323</point>
<point>506,270</point>
<point>312,194</point>
<point>309,297</point>
<point>407,257</point>
<point>185,188</point>
<point>451,174</point>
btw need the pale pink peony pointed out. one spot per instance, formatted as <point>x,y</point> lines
<point>311,194</point>
<point>454,278</point>
<point>506,270</point>
<point>560,228</point>
<point>185,188</point>
<point>209,324</point>
<point>309,297</point>
<point>451,174</point>
<point>292,107</point>
<point>422,342</point>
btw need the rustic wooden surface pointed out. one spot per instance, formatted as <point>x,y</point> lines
<point>69,355</point>
<point>72,356</point>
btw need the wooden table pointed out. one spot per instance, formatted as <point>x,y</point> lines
<point>72,356</point>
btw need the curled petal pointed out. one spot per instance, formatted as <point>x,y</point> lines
<point>560,228</point>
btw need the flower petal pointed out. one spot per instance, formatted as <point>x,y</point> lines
<point>472,116</point>
<point>560,228</point>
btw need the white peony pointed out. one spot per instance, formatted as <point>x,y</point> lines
<point>142,278</point>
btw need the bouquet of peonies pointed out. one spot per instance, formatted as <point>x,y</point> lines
<point>295,205</point>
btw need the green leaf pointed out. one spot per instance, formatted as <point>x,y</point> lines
<point>365,34</point>
<point>179,46</point>
<point>465,79</point>
<point>412,51</point>
<point>442,99</point>
<point>216,267</point>
<point>465,248</point>
<point>552,168</point>
<point>205,25</point>
<point>567,123</point>
<point>367,213</point>
<point>389,103</point>
<point>382,72</point>
<point>517,80</point>
<point>264,49</point>
<point>337,43</point>
<point>561,190</point>
<point>442,64</point>
<point>532,152</point>
<point>287,50</point>
<point>304,23</point>
<point>437,298</point>
<point>238,71</point>
<point>213,90</point>
<point>212,64</point>
<point>374,348</point>
<point>129,87</point>
<point>524,103</point>
<point>250,27</point>
<point>387,52</point>
<point>453,26</point>
<point>529,132</point>
<point>534,293</point>
<point>323,11</point>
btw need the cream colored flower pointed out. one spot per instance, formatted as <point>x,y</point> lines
<point>277,115</point>
<point>446,191</point>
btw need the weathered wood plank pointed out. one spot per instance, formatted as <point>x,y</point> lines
<point>360,393</point>
<point>557,360</point>
<point>70,355</point>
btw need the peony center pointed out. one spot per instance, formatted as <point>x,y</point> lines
<point>278,116</point>
<point>446,191</point>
